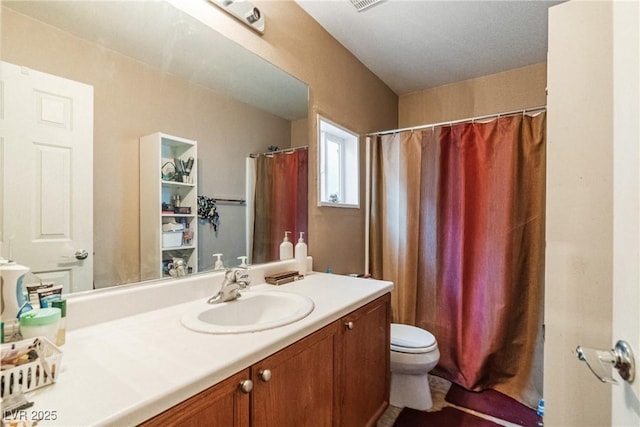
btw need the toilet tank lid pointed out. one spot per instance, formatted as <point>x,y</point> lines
<point>408,336</point>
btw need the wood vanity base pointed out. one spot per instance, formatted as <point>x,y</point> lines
<point>337,376</point>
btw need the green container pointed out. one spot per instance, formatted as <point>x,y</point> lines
<point>42,322</point>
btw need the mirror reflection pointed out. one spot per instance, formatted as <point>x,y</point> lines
<point>101,76</point>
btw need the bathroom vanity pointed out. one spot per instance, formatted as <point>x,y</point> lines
<point>141,366</point>
<point>338,375</point>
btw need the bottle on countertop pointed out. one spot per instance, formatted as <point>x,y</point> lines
<point>301,254</point>
<point>62,324</point>
<point>286,247</point>
<point>540,413</point>
<point>218,265</point>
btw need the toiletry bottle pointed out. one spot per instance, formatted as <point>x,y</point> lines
<point>43,321</point>
<point>301,255</point>
<point>219,265</point>
<point>286,247</point>
<point>62,324</point>
<point>11,278</point>
<point>540,413</point>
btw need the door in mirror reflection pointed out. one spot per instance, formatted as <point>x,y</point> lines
<point>47,135</point>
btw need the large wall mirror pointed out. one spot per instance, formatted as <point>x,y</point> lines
<point>149,68</point>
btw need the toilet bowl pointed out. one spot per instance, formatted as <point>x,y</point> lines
<point>414,352</point>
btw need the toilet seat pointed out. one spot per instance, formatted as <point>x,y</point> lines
<point>410,339</point>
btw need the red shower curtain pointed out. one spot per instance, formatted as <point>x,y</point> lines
<point>470,267</point>
<point>280,202</point>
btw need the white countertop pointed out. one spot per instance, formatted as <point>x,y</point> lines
<point>124,371</point>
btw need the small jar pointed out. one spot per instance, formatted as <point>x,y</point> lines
<point>42,322</point>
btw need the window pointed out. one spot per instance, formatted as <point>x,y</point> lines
<point>339,165</point>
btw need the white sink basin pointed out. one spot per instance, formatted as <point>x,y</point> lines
<point>253,311</point>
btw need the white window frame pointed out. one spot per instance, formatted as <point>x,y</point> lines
<point>349,164</point>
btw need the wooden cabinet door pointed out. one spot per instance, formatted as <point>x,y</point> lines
<point>223,405</point>
<point>295,387</point>
<point>366,374</point>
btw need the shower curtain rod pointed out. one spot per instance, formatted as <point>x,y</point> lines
<point>454,122</point>
<point>284,150</point>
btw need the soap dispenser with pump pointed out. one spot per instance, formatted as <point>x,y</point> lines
<point>301,254</point>
<point>219,265</point>
<point>286,247</point>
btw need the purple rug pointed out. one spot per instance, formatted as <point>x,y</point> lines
<point>493,403</point>
<point>447,417</point>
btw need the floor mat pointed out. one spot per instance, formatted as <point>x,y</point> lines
<point>493,403</point>
<point>448,416</point>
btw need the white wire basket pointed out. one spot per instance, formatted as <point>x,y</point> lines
<point>28,365</point>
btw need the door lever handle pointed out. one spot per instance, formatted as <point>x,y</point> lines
<point>599,361</point>
<point>79,255</point>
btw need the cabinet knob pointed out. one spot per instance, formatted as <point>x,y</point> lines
<point>265,375</point>
<point>348,325</point>
<point>246,386</point>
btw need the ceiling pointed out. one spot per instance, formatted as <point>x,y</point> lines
<point>418,44</point>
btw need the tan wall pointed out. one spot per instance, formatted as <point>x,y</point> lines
<point>132,100</point>
<point>342,89</point>
<point>506,91</point>
<point>579,234</point>
<point>299,133</point>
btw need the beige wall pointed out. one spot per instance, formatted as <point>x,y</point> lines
<point>299,133</point>
<point>350,95</point>
<point>341,88</point>
<point>506,91</point>
<point>579,234</point>
<point>132,100</point>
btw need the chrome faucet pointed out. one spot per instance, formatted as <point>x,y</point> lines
<point>235,280</point>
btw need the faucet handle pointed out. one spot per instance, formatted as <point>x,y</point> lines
<point>241,276</point>
<point>230,275</point>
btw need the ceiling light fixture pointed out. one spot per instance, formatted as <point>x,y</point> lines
<point>244,11</point>
<point>361,5</point>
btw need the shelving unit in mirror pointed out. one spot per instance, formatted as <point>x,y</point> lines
<point>168,206</point>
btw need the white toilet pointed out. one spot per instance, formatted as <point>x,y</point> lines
<point>414,352</point>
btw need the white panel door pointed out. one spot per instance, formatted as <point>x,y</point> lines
<point>47,134</point>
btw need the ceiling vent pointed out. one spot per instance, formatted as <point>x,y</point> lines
<point>361,5</point>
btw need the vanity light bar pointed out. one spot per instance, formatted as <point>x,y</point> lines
<point>244,11</point>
